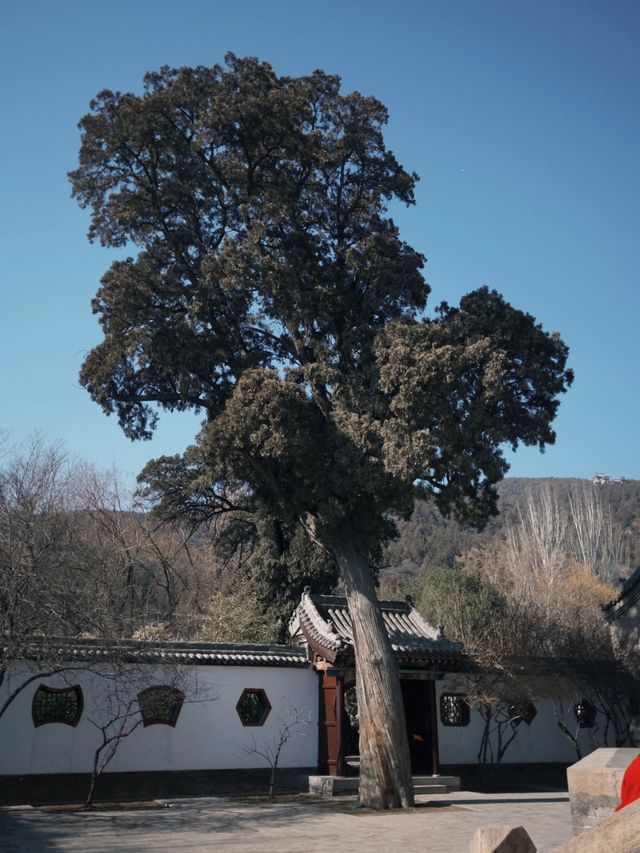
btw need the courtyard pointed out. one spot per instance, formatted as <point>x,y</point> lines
<point>442,823</point>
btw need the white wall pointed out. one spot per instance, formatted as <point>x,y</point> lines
<point>542,741</point>
<point>207,735</point>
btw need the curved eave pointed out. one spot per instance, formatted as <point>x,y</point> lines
<point>316,646</point>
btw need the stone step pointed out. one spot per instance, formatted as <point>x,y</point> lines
<point>452,783</point>
<point>332,786</point>
<point>430,789</point>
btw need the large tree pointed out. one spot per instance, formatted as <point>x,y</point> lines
<point>272,293</point>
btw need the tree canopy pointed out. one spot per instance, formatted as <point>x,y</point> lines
<point>272,292</point>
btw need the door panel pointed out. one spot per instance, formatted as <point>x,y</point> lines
<point>328,733</point>
<point>415,694</point>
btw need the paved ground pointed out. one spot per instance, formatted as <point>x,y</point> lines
<point>223,825</point>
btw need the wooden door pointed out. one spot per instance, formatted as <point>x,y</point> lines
<point>417,712</point>
<point>330,740</point>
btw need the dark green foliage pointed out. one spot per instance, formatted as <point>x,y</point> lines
<point>277,563</point>
<point>273,293</point>
<point>258,203</point>
<point>478,377</point>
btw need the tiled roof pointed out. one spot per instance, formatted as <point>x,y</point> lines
<point>324,621</point>
<point>141,651</point>
<point>626,598</point>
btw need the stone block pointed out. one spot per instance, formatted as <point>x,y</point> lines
<point>501,838</point>
<point>617,834</point>
<point>600,773</point>
<point>594,785</point>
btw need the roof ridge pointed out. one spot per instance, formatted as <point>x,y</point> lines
<point>130,641</point>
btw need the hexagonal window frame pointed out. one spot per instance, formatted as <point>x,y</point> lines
<point>264,701</point>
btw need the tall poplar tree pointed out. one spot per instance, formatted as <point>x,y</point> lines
<point>273,294</point>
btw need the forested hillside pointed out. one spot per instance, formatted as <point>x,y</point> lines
<point>429,541</point>
<point>80,556</point>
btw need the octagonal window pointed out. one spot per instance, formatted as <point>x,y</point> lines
<point>253,707</point>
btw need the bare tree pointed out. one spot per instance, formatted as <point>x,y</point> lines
<point>162,579</point>
<point>537,544</point>
<point>126,696</point>
<point>548,537</point>
<point>121,717</point>
<point>78,559</point>
<point>270,749</point>
<point>40,591</point>
<point>568,723</point>
<point>501,726</point>
<point>596,538</point>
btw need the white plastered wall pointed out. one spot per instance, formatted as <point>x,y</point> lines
<point>207,735</point>
<point>542,741</point>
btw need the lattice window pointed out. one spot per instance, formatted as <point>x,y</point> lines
<point>253,707</point>
<point>160,705</point>
<point>454,709</point>
<point>57,705</point>
<point>585,714</point>
<point>522,712</point>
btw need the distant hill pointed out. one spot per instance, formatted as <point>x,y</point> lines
<point>429,540</point>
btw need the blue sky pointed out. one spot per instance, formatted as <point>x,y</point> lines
<point>522,119</point>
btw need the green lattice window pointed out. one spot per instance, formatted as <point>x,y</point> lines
<point>57,705</point>
<point>454,709</point>
<point>253,707</point>
<point>160,705</point>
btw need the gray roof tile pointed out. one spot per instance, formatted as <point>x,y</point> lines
<point>140,651</point>
<point>325,622</point>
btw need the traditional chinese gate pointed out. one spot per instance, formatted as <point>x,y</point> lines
<point>337,738</point>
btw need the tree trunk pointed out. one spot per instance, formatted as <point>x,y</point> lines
<point>88,803</point>
<point>385,765</point>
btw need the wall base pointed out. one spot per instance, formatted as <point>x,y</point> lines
<point>511,777</point>
<point>73,787</point>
